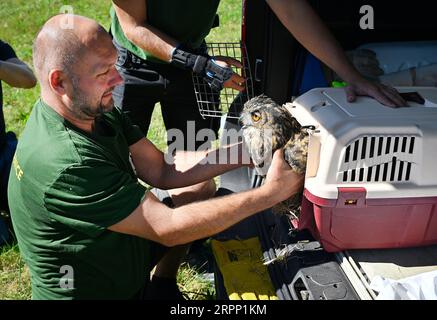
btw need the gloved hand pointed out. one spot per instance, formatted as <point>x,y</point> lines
<point>214,70</point>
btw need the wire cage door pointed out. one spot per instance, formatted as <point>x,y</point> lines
<point>228,101</point>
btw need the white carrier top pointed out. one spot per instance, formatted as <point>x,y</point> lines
<point>391,152</point>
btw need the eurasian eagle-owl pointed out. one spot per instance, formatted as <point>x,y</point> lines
<point>267,127</point>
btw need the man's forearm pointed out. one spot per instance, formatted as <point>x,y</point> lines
<point>132,16</point>
<point>155,221</point>
<point>16,75</point>
<point>153,41</point>
<point>307,27</point>
<point>206,218</point>
<point>193,167</point>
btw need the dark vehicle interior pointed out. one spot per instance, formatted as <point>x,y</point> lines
<point>276,58</point>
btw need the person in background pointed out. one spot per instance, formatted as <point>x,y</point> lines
<point>17,74</point>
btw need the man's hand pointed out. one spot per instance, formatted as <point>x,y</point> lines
<point>365,62</point>
<point>236,81</point>
<point>281,181</point>
<point>216,71</point>
<point>383,93</point>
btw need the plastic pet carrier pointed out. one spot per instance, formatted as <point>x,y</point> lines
<point>371,180</point>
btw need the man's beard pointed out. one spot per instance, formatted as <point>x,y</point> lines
<point>84,108</point>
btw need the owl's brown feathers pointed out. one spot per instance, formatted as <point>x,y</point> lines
<point>296,151</point>
<point>267,127</point>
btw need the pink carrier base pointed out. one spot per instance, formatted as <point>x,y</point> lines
<point>354,222</point>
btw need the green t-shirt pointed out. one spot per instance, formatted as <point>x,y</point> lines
<point>66,187</point>
<point>188,22</point>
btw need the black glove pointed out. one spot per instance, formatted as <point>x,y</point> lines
<point>202,65</point>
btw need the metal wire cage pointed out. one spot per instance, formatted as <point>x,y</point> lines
<point>228,101</point>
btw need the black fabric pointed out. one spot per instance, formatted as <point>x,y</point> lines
<point>8,143</point>
<point>164,289</point>
<point>157,251</point>
<point>6,156</point>
<point>147,83</point>
<point>6,53</point>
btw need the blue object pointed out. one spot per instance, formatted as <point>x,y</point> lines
<point>6,157</point>
<point>4,232</point>
<point>312,76</point>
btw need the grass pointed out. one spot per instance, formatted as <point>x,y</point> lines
<point>20,21</point>
<point>14,275</point>
<point>193,284</point>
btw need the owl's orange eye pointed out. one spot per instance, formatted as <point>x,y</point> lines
<point>256,116</point>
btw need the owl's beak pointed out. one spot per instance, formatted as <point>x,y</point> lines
<point>240,121</point>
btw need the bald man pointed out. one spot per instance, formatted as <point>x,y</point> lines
<point>85,226</point>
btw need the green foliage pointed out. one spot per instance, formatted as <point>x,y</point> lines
<point>193,284</point>
<point>229,29</point>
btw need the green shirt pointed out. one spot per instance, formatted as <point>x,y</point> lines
<point>66,187</point>
<point>188,22</point>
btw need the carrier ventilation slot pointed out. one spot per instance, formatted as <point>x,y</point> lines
<point>385,154</point>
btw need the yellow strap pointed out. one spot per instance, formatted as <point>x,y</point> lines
<point>244,274</point>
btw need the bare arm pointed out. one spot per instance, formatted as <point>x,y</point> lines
<point>307,27</point>
<point>185,168</point>
<point>17,74</point>
<point>132,15</point>
<point>153,220</point>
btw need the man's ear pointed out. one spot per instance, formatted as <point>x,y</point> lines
<point>57,81</point>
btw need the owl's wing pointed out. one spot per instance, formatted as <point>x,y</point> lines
<point>296,152</point>
<point>259,147</point>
